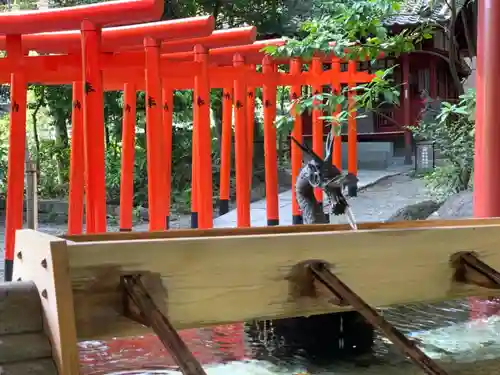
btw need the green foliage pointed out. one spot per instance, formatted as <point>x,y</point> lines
<point>381,90</point>
<point>270,17</point>
<point>50,174</point>
<point>452,127</point>
<point>352,29</point>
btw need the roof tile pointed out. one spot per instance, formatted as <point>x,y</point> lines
<point>414,12</point>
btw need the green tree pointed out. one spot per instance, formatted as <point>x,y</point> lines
<point>452,128</point>
<point>353,29</point>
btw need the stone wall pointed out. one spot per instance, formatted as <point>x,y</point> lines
<point>56,211</point>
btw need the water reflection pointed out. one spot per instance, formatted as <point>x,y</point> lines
<point>440,330</point>
<point>465,342</point>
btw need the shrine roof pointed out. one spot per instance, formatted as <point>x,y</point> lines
<point>414,12</point>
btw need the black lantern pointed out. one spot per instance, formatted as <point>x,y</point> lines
<point>425,159</point>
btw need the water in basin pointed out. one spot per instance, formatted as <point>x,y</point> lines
<point>442,332</point>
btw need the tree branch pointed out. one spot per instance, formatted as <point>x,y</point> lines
<point>453,50</point>
<point>34,117</point>
<point>471,46</point>
<point>433,53</point>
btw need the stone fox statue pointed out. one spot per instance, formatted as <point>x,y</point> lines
<point>319,338</point>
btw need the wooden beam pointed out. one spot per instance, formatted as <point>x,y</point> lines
<point>218,232</point>
<point>42,258</point>
<point>212,280</point>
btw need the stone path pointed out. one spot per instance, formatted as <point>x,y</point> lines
<point>380,201</point>
<point>381,194</point>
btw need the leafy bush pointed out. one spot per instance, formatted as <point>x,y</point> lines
<point>53,181</point>
<point>452,128</point>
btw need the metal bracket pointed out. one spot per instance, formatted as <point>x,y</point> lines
<point>308,277</point>
<point>468,269</point>
<point>140,307</point>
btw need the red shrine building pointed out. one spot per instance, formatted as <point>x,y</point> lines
<point>427,70</point>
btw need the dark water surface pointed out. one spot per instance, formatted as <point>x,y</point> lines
<point>442,330</point>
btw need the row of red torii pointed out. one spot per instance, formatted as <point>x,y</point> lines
<point>157,57</point>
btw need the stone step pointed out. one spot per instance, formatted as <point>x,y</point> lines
<point>24,347</point>
<point>20,308</point>
<point>38,367</point>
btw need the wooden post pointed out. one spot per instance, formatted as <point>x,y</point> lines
<point>194,167</point>
<point>486,151</point>
<point>154,135</point>
<point>433,80</point>
<point>227,132</point>
<point>168,111</point>
<point>194,174</point>
<point>77,164</point>
<point>270,154</point>
<point>407,108</point>
<point>128,157</point>
<point>296,152</point>
<point>32,195</point>
<point>486,176</point>
<point>43,259</point>
<point>93,119</point>
<point>317,122</point>
<point>201,99</point>
<point>240,135</point>
<point>337,139</point>
<point>150,315</point>
<point>250,127</point>
<point>352,131</point>
<point>17,146</point>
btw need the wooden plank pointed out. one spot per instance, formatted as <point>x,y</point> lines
<point>214,280</point>
<point>218,232</point>
<point>44,261</point>
<point>16,297</point>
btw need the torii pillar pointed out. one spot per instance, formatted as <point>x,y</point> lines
<point>487,148</point>
<point>487,137</point>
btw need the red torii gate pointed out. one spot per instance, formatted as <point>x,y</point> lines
<point>56,64</point>
<point>13,25</point>
<point>117,38</point>
<point>228,67</point>
<point>220,76</point>
<point>70,18</point>
<point>486,195</point>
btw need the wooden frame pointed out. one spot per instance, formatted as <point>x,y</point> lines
<point>43,259</point>
<point>209,277</point>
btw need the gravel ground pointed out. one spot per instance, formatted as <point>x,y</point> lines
<point>381,200</point>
